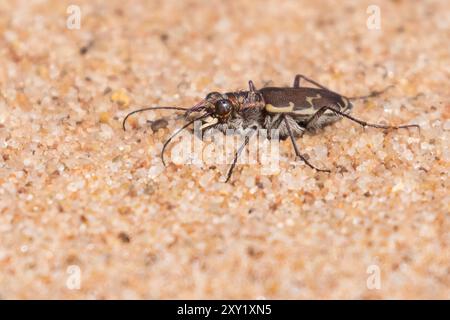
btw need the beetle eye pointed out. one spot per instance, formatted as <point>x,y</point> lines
<point>223,107</point>
<point>213,95</point>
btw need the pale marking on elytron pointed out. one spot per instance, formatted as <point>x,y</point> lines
<point>305,112</point>
<point>272,109</point>
<point>310,99</point>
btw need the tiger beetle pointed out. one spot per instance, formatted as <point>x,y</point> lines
<point>292,110</point>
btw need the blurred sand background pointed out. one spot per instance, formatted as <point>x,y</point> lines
<point>79,194</point>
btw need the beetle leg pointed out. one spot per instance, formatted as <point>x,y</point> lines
<point>297,152</point>
<point>251,86</point>
<point>297,81</point>
<point>237,154</point>
<point>313,120</point>
<point>372,94</point>
<point>252,97</point>
<point>274,120</point>
<point>300,76</point>
<point>267,83</point>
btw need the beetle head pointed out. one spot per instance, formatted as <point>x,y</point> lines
<point>220,106</point>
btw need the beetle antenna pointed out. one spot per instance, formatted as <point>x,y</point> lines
<point>177,132</point>
<point>372,94</point>
<point>150,108</point>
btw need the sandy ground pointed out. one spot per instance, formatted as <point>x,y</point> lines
<point>89,211</point>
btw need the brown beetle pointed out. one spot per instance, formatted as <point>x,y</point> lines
<point>293,111</point>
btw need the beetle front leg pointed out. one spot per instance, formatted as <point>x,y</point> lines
<point>238,153</point>
<point>236,157</point>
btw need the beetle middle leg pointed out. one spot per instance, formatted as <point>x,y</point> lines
<point>251,86</point>
<point>297,152</point>
<point>313,121</point>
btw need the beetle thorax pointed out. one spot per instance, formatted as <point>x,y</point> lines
<point>246,99</point>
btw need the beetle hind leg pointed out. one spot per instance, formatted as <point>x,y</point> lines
<point>297,81</point>
<point>298,77</point>
<point>315,120</point>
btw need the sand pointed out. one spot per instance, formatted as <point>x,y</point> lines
<point>88,211</point>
